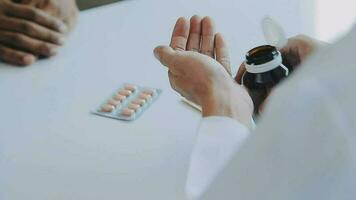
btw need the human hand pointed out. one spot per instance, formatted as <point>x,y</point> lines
<point>297,50</point>
<point>199,69</point>
<point>65,10</point>
<point>27,32</point>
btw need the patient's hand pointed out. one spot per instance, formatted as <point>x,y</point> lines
<point>199,69</point>
<point>65,10</point>
<point>27,32</point>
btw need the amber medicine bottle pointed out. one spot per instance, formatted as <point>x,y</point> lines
<point>264,70</point>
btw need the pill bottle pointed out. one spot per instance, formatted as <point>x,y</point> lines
<point>264,70</point>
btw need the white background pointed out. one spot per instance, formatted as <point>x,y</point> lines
<point>332,18</point>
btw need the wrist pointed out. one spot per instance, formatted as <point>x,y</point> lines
<point>229,100</point>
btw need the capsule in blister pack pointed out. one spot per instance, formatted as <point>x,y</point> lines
<point>128,102</point>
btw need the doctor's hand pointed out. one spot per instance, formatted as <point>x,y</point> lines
<point>199,69</point>
<point>297,50</point>
<point>27,32</point>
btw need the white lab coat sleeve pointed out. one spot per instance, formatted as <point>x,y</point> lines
<point>301,149</point>
<point>217,141</point>
<point>304,145</point>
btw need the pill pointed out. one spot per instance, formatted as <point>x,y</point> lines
<point>131,88</point>
<point>140,102</point>
<point>114,102</point>
<point>107,108</point>
<point>145,96</point>
<point>125,93</point>
<point>150,92</point>
<point>134,107</point>
<point>119,97</point>
<point>127,112</point>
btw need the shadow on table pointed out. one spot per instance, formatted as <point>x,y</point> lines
<point>87,4</point>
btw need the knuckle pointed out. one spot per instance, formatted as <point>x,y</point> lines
<point>16,38</point>
<point>27,28</point>
<point>45,48</point>
<point>33,14</point>
<point>208,52</point>
<point>53,37</point>
<point>179,47</point>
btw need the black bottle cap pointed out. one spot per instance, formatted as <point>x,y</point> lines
<point>261,55</point>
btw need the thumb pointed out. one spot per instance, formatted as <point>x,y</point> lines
<point>165,55</point>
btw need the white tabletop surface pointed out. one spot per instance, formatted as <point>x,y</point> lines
<point>51,147</point>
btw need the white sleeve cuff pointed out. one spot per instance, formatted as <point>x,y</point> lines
<point>218,139</point>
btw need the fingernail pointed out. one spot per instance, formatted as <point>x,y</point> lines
<point>155,52</point>
<point>28,59</point>
<point>61,40</point>
<point>53,51</point>
<point>63,28</point>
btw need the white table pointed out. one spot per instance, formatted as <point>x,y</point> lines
<point>51,147</point>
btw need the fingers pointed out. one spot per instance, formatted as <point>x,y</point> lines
<point>208,37</point>
<point>35,15</point>
<point>15,57</point>
<point>30,29</point>
<point>222,52</point>
<point>198,35</point>
<point>28,44</point>
<point>194,34</point>
<point>180,34</point>
<point>240,73</point>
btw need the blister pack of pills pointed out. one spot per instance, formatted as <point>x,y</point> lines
<point>128,102</point>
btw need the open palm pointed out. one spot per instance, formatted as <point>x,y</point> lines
<point>199,69</point>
